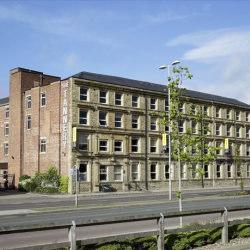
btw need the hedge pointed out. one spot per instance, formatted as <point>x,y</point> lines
<point>178,241</point>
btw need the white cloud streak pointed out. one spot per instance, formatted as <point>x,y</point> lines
<point>227,51</point>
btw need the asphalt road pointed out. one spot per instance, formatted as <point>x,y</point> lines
<point>43,201</point>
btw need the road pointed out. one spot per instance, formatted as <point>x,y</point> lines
<point>43,201</point>
<point>123,209</point>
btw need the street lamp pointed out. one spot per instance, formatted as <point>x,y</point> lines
<point>169,127</point>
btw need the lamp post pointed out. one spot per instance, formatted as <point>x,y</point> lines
<point>169,126</point>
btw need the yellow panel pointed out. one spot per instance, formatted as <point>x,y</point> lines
<point>164,139</point>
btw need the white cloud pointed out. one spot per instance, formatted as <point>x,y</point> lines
<point>71,60</point>
<point>226,53</point>
<point>167,16</point>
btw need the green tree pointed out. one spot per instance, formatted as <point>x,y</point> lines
<point>187,146</point>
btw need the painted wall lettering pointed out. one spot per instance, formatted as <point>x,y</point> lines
<point>65,115</point>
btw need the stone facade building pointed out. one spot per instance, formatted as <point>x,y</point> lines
<point>108,127</point>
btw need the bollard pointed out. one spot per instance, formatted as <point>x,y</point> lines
<point>72,236</point>
<point>160,237</point>
<point>224,232</point>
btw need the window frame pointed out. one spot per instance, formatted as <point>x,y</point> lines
<point>6,129</point>
<point>103,99</point>
<point>217,112</point>
<point>103,171</point>
<point>118,120</point>
<point>43,99</point>
<point>83,120</point>
<point>83,96</point>
<point>102,120</point>
<point>135,123</point>
<point>217,129</point>
<point>153,103</point>
<point>28,98</point>
<point>153,123</point>
<point>7,112</point>
<point>134,145</point>
<point>135,173</point>
<point>43,146</point>
<point>118,172</point>
<point>102,147</point>
<point>153,145</point>
<point>83,143</point>
<point>228,130</point>
<point>6,148</point>
<point>118,100</point>
<point>135,103</point>
<point>83,174</point>
<point>118,146</point>
<point>28,122</point>
<point>181,126</point>
<point>153,171</point>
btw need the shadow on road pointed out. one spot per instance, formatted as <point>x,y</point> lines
<point>10,192</point>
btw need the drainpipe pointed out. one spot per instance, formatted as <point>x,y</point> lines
<point>22,166</point>
<point>146,143</point>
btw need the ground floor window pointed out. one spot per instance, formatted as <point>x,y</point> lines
<point>153,171</point>
<point>167,172</point>
<point>229,171</point>
<point>118,173</point>
<point>206,174</point>
<point>218,172</point>
<point>238,171</point>
<point>135,171</point>
<point>248,171</point>
<point>83,169</point>
<point>103,173</point>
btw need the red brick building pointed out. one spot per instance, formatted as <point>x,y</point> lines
<point>118,135</point>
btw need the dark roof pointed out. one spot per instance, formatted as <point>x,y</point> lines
<point>4,101</point>
<point>153,86</point>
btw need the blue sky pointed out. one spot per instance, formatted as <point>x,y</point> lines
<point>130,39</point>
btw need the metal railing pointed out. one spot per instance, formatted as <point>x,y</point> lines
<point>160,231</point>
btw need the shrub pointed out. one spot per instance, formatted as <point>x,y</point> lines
<point>28,184</point>
<point>64,185</point>
<point>47,190</point>
<point>50,176</point>
<point>22,178</point>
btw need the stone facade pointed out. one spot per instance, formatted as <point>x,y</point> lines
<point>119,138</point>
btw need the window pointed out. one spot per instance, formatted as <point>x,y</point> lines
<point>153,103</point>
<point>135,121</point>
<point>205,109</point>
<point>83,94</point>
<point>134,101</point>
<point>193,109</point>
<point>28,122</point>
<point>166,105</point>
<point>83,117</point>
<point>218,145</point>
<point>247,116</point>
<point>118,146</point>
<point>117,173</point>
<point>118,99</point>
<point>238,171</point>
<point>194,127</point>
<point>83,169</point>
<point>6,148</point>
<point>153,145</point>
<point>206,128</point>
<point>181,126</point>
<point>103,173</point>
<point>103,145</point>
<point>247,132</point>
<point>182,171</point>
<point>181,105</point>
<point>83,142</point>
<point>206,171</point>
<point>135,171</point>
<point>134,145</point>
<point>217,113</point>
<point>166,128</point>
<point>237,131</point>
<point>217,129</point>
<point>102,119</point>
<point>118,120</point>
<point>248,171</point>
<point>229,171</point>
<point>228,130</point>
<point>153,123</point>
<point>167,172</point>
<point>237,115</point>
<point>153,171</point>
<point>43,99</point>
<point>205,150</point>
<point>103,97</point>
<point>43,145</point>
<point>7,113</point>
<point>6,129</point>
<point>218,171</point>
<point>228,114</point>
<point>194,173</point>
<point>29,102</point>
<point>247,150</point>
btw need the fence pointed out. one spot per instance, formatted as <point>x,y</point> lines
<point>73,242</point>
